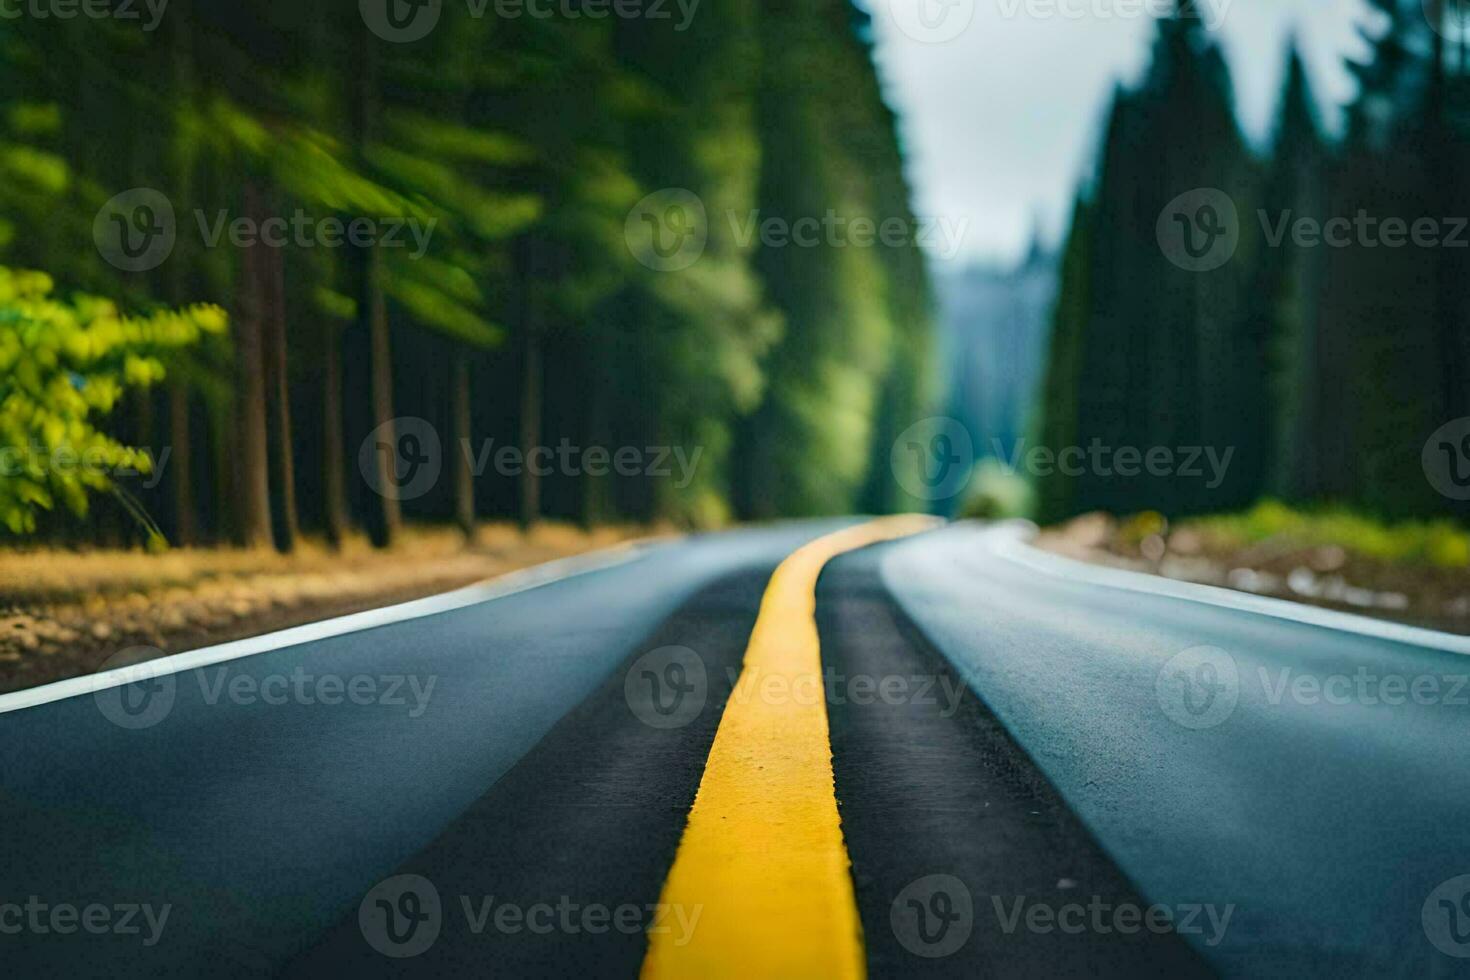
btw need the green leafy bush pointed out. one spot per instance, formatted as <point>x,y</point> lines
<point>1441,543</point>
<point>63,366</point>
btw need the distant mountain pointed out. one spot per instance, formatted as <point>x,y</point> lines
<point>994,327</point>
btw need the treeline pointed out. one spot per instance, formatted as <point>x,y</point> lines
<point>514,154</point>
<point>1324,360</point>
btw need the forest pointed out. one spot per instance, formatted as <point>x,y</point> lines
<point>255,258</point>
<point>1325,343</point>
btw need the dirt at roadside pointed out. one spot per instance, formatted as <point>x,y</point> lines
<point>63,614</point>
<point>1329,576</point>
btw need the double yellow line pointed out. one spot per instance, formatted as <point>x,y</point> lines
<point>763,851</point>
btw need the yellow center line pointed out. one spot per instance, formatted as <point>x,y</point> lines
<point>763,857</point>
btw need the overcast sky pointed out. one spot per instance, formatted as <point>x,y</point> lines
<point>1001,119</point>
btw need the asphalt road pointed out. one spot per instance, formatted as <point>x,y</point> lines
<point>1035,776</point>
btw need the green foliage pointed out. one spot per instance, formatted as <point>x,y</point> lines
<point>524,144</point>
<point>1440,543</point>
<point>998,493</point>
<point>1322,369</point>
<point>63,366</point>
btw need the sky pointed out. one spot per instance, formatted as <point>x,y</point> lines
<point>1001,101</point>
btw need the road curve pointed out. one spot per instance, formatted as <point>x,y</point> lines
<point>1036,773</point>
<point>1330,819</point>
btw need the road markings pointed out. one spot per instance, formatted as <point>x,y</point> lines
<point>1011,542</point>
<point>511,583</point>
<point>763,855</point>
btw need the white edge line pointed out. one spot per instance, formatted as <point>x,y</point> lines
<point>1012,542</point>
<point>520,580</point>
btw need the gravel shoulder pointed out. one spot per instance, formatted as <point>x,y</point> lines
<point>64,614</point>
<point>1327,575</point>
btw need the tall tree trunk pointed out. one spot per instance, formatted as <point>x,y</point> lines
<point>532,380</point>
<point>181,54</point>
<point>186,531</point>
<point>390,518</point>
<point>464,479</point>
<point>532,371</point>
<point>252,477</point>
<point>373,311</point>
<point>334,490</point>
<point>596,502</point>
<point>288,526</point>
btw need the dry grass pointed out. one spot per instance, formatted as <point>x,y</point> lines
<point>62,613</point>
<point>1408,572</point>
